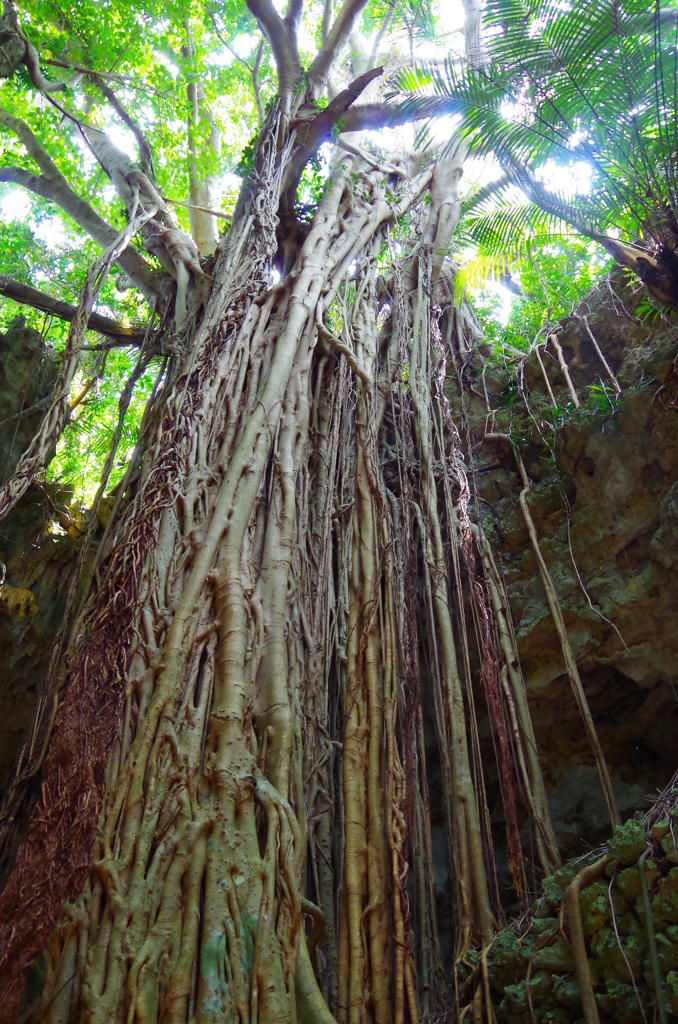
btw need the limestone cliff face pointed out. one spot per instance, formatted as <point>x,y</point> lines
<point>629,928</point>
<point>605,505</point>
<point>27,373</point>
<point>33,561</point>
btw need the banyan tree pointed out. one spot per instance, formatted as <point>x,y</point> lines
<point>222,809</point>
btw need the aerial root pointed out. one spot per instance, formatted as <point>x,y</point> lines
<point>576,929</point>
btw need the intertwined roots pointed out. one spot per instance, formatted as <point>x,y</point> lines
<point>238,753</point>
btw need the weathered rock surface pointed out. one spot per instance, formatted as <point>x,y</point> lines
<point>27,373</point>
<point>531,969</point>
<point>34,563</point>
<point>605,504</point>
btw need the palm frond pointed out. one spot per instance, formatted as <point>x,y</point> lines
<point>500,237</point>
<point>592,81</point>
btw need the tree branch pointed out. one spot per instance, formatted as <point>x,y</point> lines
<point>635,259</point>
<point>370,116</point>
<point>327,18</point>
<point>145,152</point>
<point>370,159</point>
<point>31,144</point>
<point>17,49</point>
<point>319,130</point>
<point>253,70</point>
<point>476,52</point>
<point>53,185</point>
<point>149,283</point>
<point>25,295</point>
<point>255,83</point>
<point>334,44</point>
<point>283,40</point>
<point>134,83</point>
<point>32,62</point>
<point>385,26</point>
<point>175,250</point>
<point>240,60</point>
<point>201,209</point>
<point>203,188</point>
<point>295,9</point>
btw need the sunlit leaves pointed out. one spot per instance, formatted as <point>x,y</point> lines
<point>584,81</point>
<point>148,53</point>
<point>85,443</point>
<point>554,276</point>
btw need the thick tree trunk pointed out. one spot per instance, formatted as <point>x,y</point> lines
<point>235,786</point>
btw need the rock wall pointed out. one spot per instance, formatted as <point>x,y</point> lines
<point>34,561</point>
<point>605,504</point>
<point>604,501</point>
<point>531,967</point>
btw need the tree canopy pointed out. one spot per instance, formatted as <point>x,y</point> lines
<point>185,91</point>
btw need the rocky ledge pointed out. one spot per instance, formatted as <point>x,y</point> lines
<point>629,923</point>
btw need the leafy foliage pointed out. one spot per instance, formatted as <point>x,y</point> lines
<point>585,81</point>
<point>545,95</point>
<point>148,54</point>
<point>142,52</point>
<point>553,278</point>
<point>311,187</point>
<point>84,446</point>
